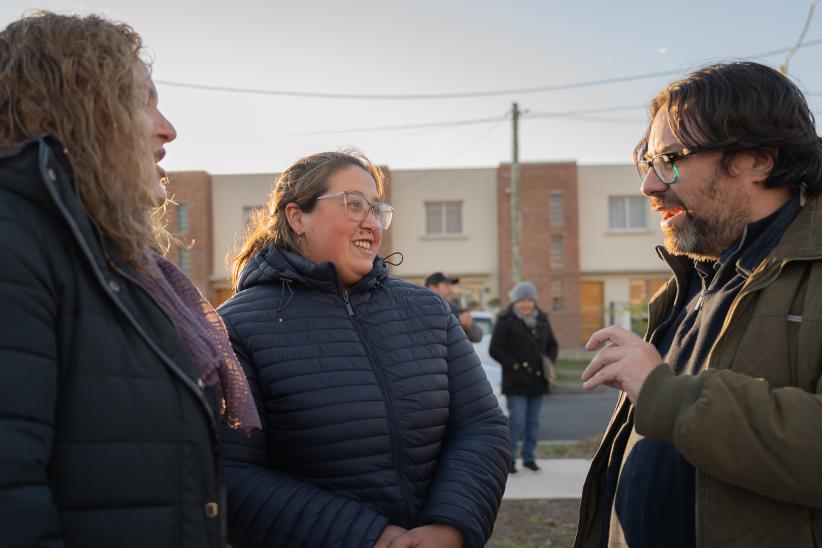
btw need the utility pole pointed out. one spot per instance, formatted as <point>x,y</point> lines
<point>783,68</point>
<point>516,217</point>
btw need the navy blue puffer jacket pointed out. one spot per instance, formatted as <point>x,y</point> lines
<point>375,410</point>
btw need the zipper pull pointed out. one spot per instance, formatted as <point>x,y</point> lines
<point>700,300</point>
<point>348,304</point>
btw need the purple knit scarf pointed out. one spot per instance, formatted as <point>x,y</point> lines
<point>205,337</point>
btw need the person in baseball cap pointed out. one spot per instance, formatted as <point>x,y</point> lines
<point>444,286</point>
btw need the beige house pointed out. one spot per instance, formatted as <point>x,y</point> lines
<point>618,265</point>
<point>446,220</point>
<point>234,197</point>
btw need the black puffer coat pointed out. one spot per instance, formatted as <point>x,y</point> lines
<point>106,440</point>
<point>375,410</point>
<point>518,349</point>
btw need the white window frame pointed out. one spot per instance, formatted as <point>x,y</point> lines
<point>558,295</point>
<point>443,212</point>
<point>183,220</point>
<point>626,209</point>
<point>556,220</point>
<point>184,259</point>
<point>557,253</point>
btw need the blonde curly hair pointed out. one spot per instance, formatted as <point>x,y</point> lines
<point>75,77</point>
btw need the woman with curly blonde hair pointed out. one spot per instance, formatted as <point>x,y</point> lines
<point>114,368</point>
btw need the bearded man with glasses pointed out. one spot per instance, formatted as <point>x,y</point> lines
<point>715,440</point>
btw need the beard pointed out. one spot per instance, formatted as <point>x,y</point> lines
<point>710,228</point>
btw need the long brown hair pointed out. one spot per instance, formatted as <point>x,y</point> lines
<point>75,77</point>
<point>302,183</point>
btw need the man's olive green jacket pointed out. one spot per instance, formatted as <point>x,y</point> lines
<point>751,421</point>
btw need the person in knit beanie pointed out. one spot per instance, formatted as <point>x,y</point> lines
<point>525,346</point>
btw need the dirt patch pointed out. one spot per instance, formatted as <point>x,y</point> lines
<point>535,523</point>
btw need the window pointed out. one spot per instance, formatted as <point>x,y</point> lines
<point>556,211</point>
<point>184,260</point>
<point>443,218</point>
<point>557,295</point>
<point>627,213</point>
<point>557,251</point>
<point>182,218</point>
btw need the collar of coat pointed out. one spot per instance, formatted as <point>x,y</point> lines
<point>275,264</point>
<point>801,240</point>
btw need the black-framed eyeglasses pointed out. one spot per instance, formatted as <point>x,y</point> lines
<point>357,208</point>
<point>664,165</point>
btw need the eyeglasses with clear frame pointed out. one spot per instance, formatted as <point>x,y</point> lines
<point>664,165</point>
<point>357,208</point>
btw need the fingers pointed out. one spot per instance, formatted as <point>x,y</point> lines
<point>615,334</point>
<point>606,375</point>
<point>608,354</point>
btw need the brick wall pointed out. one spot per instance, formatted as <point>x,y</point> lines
<point>537,182</point>
<point>192,189</point>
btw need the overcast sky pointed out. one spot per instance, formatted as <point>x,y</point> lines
<point>433,47</point>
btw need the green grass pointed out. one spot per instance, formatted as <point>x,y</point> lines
<point>536,520</point>
<point>582,449</point>
<point>569,371</point>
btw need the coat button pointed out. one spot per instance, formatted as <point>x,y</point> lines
<point>212,509</point>
<point>516,366</point>
<point>52,175</point>
<point>114,286</point>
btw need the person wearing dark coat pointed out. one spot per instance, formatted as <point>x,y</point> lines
<point>111,375</point>
<point>379,425</point>
<point>524,345</point>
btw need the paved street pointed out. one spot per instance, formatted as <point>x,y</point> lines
<point>575,416</point>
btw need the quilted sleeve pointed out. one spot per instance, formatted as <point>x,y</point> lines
<point>28,392</point>
<point>473,466</point>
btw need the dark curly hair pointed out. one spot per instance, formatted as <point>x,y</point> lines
<point>745,106</point>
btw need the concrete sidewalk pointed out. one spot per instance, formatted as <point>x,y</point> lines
<point>558,479</point>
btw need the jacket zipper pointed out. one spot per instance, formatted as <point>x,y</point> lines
<point>43,155</point>
<point>701,299</point>
<point>389,405</point>
<point>78,237</point>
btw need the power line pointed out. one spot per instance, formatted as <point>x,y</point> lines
<point>426,125</point>
<point>442,165</point>
<point>574,113</point>
<point>457,95</point>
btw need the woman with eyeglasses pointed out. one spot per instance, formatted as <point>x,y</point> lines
<point>379,425</point>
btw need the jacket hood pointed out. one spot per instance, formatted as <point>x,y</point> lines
<point>275,264</point>
<point>31,168</point>
<point>38,170</point>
